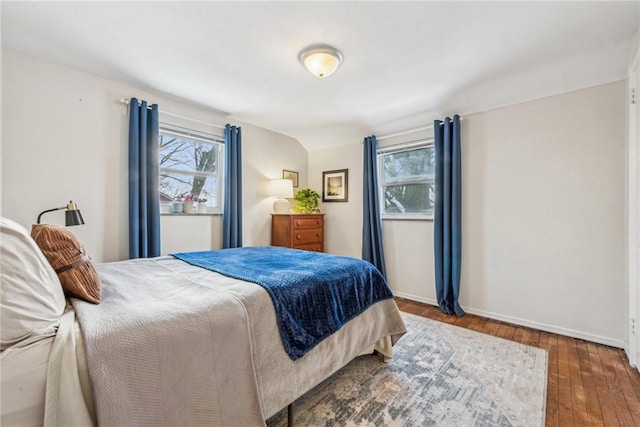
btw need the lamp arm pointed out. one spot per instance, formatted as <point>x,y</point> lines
<point>49,210</point>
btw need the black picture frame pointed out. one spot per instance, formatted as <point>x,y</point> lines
<point>335,185</point>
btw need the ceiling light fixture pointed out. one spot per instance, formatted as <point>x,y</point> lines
<point>321,60</point>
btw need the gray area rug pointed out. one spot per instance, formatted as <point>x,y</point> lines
<point>440,375</point>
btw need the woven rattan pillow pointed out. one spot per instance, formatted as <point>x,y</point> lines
<point>69,259</point>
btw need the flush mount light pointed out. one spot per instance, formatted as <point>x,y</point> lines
<point>321,60</point>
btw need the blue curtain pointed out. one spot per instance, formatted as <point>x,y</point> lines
<point>144,197</point>
<point>232,213</point>
<point>372,250</point>
<point>447,215</point>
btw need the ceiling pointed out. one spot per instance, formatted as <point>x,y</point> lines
<point>405,63</point>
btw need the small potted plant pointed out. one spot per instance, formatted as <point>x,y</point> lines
<point>189,201</point>
<point>307,201</point>
<point>177,205</point>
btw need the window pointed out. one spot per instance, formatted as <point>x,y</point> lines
<point>407,180</point>
<point>191,163</point>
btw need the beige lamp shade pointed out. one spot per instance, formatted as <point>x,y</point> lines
<point>282,189</point>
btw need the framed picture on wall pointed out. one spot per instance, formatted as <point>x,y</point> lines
<point>292,175</point>
<point>335,186</point>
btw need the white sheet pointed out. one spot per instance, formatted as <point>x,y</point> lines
<point>51,370</point>
<point>23,380</point>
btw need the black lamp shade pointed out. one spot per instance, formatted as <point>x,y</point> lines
<point>73,218</point>
<point>72,214</point>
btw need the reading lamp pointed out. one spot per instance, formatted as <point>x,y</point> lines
<point>71,217</point>
<point>281,188</point>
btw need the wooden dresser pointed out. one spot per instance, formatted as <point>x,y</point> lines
<point>298,231</point>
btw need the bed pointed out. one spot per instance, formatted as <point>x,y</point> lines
<point>170,343</point>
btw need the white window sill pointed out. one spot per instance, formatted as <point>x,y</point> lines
<point>407,217</point>
<point>191,214</point>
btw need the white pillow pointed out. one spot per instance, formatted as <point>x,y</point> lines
<point>32,298</point>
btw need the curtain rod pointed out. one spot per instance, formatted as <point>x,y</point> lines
<point>179,116</point>
<point>404,132</point>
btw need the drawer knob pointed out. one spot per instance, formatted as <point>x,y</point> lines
<point>298,237</point>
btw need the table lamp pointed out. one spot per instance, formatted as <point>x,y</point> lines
<point>282,189</point>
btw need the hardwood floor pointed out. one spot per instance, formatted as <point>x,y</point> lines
<point>588,384</point>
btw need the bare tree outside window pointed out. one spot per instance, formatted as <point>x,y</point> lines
<point>190,165</point>
<point>408,180</point>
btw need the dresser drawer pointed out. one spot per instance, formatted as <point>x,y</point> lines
<point>315,247</point>
<point>307,223</point>
<point>298,231</point>
<point>311,235</point>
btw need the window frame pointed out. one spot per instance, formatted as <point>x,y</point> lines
<point>399,148</point>
<point>202,138</point>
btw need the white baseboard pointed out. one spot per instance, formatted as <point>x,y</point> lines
<point>415,298</point>
<point>524,322</point>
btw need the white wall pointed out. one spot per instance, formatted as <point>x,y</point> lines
<point>343,220</point>
<point>265,154</point>
<point>543,216</point>
<point>543,221</point>
<point>64,136</point>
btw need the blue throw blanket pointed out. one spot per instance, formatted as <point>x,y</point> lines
<point>314,294</point>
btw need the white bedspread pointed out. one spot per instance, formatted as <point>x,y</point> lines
<point>281,380</point>
<point>165,351</point>
<point>172,344</point>
<point>69,400</point>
